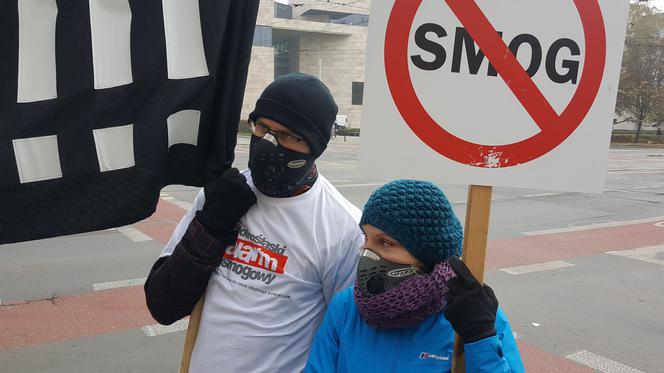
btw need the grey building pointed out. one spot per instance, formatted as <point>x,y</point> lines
<point>323,38</point>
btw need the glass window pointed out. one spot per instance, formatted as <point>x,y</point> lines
<point>353,19</point>
<point>263,36</point>
<point>283,11</point>
<point>286,55</point>
<point>358,93</point>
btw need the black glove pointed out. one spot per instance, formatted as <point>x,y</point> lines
<point>227,199</point>
<point>471,307</point>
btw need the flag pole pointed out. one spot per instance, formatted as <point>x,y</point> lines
<point>192,333</point>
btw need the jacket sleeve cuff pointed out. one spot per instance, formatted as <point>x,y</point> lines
<point>202,245</point>
<point>481,333</point>
<point>485,347</point>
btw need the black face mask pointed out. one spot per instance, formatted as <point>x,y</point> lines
<point>277,171</point>
<point>376,274</point>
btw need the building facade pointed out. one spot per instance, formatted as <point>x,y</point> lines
<point>323,38</point>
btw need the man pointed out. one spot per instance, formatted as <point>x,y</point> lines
<point>269,247</point>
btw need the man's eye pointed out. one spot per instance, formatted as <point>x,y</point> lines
<point>386,243</point>
<point>290,138</point>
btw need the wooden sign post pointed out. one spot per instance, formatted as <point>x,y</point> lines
<point>192,333</point>
<point>475,237</point>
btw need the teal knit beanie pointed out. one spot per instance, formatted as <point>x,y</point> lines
<point>419,216</point>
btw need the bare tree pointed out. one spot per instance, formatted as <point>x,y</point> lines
<point>641,91</point>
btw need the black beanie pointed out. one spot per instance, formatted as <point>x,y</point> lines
<point>302,103</point>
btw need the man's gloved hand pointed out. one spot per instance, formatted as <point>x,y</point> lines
<point>227,199</point>
<point>471,307</point>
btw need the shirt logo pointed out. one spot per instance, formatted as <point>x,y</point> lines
<point>427,355</point>
<point>246,252</point>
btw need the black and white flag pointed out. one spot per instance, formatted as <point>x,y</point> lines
<point>104,102</point>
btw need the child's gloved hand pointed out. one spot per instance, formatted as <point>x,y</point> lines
<point>471,307</point>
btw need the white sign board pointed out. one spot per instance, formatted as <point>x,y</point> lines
<point>515,93</point>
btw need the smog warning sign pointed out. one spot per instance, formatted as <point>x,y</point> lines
<point>513,93</point>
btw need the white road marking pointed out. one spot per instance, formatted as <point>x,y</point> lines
<point>535,324</point>
<point>118,284</point>
<point>627,172</point>
<point>358,185</point>
<point>644,254</point>
<point>631,190</point>
<point>546,266</point>
<point>660,224</point>
<point>175,201</point>
<point>157,329</point>
<point>134,234</point>
<point>541,195</point>
<point>594,226</point>
<point>600,363</point>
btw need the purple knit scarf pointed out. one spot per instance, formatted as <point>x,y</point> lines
<point>409,303</point>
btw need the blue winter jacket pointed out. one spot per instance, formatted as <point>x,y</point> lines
<point>345,343</point>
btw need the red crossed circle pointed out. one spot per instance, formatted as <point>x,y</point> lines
<point>554,128</point>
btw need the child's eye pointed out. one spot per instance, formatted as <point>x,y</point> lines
<point>386,243</point>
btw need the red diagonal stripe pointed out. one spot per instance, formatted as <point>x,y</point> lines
<point>160,225</point>
<point>73,316</point>
<point>540,361</point>
<point>509,68</point>
<point>568,245</point>
<point>87,314</point>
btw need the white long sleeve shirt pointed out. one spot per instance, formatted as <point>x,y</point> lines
<point>265,301</point>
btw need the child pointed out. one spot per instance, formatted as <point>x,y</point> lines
<point>412,293</point>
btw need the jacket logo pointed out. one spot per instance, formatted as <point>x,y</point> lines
<point>426,356</point>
